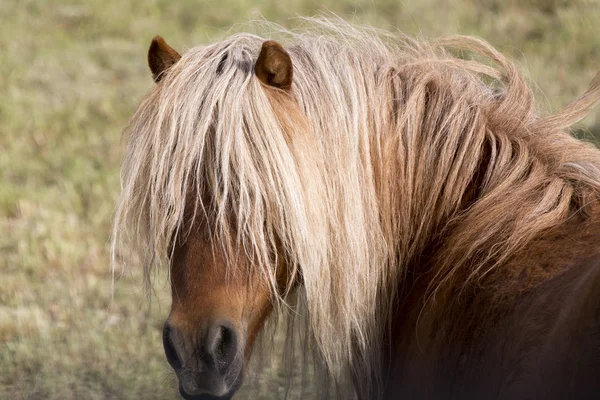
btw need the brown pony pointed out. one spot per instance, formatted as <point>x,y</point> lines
<point>434,235</point>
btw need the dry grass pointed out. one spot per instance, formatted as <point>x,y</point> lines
<point>70,75</point>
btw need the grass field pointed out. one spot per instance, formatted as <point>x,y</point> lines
<point>71,73</point>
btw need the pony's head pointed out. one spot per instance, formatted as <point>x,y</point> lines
<point>226,180</point>
<point>221,295</point>
<point>247,174</point>
<point>223,180</point>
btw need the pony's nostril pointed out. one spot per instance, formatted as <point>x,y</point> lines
<point>223,346</point>
<point>169,345</point>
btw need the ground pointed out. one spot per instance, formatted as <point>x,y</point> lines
<point>71,73</point>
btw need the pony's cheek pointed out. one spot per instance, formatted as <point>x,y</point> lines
<point>255,320</point>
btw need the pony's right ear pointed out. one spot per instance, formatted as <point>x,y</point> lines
<point>161,57</point>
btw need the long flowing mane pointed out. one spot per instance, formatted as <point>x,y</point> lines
<point>387,145</point>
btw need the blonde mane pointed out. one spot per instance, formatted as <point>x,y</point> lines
<point>385,143</point>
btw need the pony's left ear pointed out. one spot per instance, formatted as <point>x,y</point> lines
<point>274,66</point>
<point>161,57</point>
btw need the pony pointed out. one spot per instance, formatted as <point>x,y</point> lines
<point>402,203</point>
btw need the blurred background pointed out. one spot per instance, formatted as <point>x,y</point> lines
<point>71,73</point>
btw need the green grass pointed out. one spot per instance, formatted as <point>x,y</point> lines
<point>70,76</point>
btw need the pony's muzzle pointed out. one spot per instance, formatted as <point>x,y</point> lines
<point>208,365</point>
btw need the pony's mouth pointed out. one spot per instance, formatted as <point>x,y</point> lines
<point>213,368</point>
<point>205,396</point>
<point>222,391</point>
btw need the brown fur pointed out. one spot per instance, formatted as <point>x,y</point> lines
<point>199,278</point>
<point>518,334</point>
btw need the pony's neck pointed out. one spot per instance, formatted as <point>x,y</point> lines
<point>433,161</point>
<point>467,197</point>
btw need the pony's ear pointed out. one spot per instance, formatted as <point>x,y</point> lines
<point>274,66</point>
<point>161,57</point>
